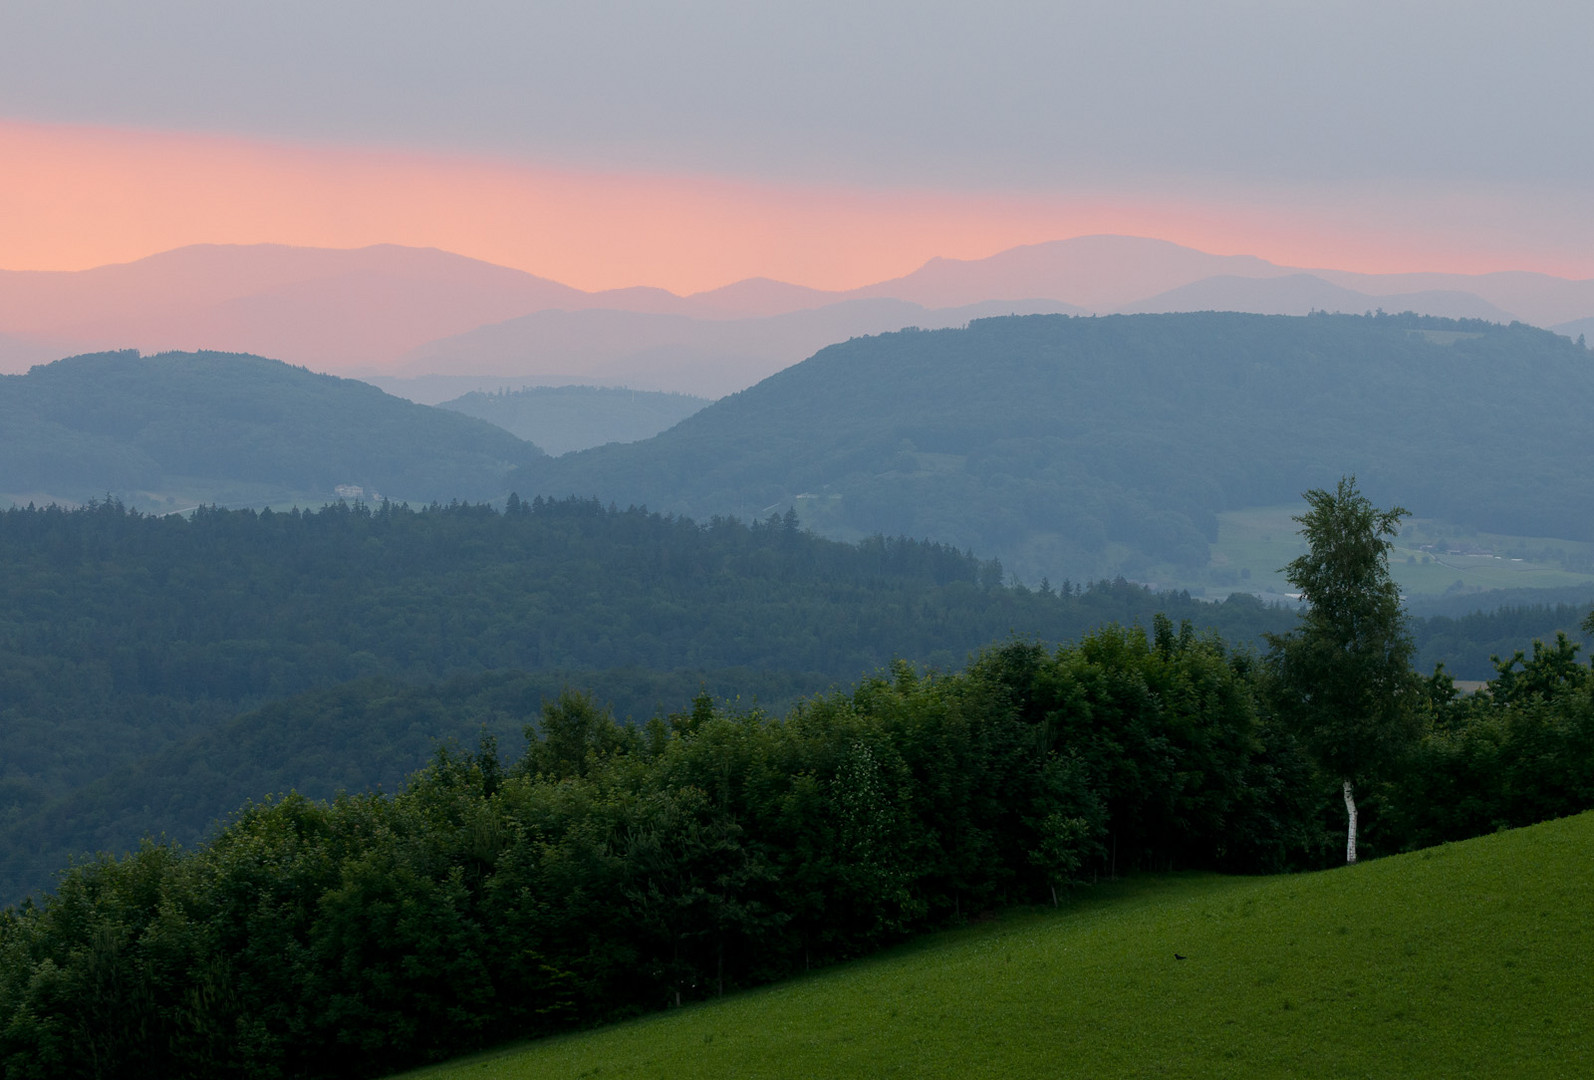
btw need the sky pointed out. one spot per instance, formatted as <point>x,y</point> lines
<point>689,144</point>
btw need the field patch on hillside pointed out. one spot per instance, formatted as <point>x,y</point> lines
<point>1430,558</point>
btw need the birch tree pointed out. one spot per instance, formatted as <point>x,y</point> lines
<point>1344,675</point>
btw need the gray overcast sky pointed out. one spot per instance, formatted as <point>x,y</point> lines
<point>1025,95</point>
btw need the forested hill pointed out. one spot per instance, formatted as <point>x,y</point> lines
<point>184,428</point>
<point>1104,445</point>
<point>130,643</point>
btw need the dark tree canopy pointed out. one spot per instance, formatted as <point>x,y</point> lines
<point>131,645</point>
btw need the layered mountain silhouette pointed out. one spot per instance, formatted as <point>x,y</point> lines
<point>708,357</point>
<point>396,311</point>
<point>1098,273</point>
<point>330,309</point>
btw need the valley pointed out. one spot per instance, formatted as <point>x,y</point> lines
<point>776,541</point>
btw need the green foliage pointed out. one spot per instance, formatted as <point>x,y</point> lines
<point>1469,643</point>
<point>613,870</point>
<point>1551,673</point>
<point>1519,751</point>
<point>1344,678</point>
<point>574,737</point>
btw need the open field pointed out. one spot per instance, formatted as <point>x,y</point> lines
<point>1431,557</point>
<point>1466,960</point>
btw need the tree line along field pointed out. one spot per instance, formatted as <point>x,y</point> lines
<point>1463,960</point>
<point>613,870</point>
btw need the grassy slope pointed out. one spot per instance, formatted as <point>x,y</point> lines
<point>1467,960</point>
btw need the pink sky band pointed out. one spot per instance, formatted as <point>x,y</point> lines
<point>72,197</point>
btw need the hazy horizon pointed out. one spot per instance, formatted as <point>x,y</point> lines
<point>692,145</point>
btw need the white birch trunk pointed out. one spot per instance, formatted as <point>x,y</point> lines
<point>1350,834</point>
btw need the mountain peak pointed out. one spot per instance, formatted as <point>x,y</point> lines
<point>1096,272</point>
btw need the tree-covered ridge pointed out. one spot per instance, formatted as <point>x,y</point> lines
<point>1469,644</point>
<point>614,869</point>
<point>129,642</point>
<point>218,427</point>
<point>1107,445</point>
<point>157,671</point>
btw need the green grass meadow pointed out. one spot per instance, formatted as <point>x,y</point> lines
<point>1469,960</point>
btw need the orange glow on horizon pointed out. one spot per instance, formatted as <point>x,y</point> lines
<point>74,197</point>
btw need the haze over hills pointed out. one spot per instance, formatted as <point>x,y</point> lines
<point>566,418</point>
<point>333,309</point>
<point>388,310</point>
<point>1122,274</point>
<point>1302,294</point>
<point>1540,299</point>
<point>1098,273</point>
<point>1576,328</point>
<point>679,353</point>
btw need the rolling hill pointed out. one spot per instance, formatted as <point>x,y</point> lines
<point>1083,447</point>
<point>176,429</point>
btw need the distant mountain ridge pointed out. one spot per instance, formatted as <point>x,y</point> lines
<point>394,310</point>
<point>1097,273</point>
<point>680,353</point>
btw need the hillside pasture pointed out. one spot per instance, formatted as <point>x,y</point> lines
<point>1469,959</point>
